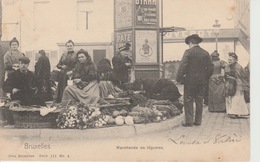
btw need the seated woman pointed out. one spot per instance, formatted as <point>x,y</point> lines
<point>22,85</point>
<point>107,78</point>
<point>85,86</point>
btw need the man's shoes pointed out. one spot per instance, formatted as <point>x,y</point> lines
<point>197,124</point>
<point>186,124</point>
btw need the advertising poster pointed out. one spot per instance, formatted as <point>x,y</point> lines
<point>123,37</point>
<point>123,13</point>
<point>140,121</point>
<point>146,13</point>
<point>146,46</point>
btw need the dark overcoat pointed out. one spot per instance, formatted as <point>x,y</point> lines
<point>120,69</point>
<point>42,73</point>
<point>27,85</point>
<point>196,67</point>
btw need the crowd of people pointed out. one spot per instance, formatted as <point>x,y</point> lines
<point>90,82</point>
<point>79,79</point>
<point>227,83</point>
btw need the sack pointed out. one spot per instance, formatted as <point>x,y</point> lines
<point>55,74</point>
<point>230,86</point>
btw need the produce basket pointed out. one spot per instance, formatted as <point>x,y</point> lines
<point>29,117</point>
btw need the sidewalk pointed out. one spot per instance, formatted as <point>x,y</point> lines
<point>95,133</point>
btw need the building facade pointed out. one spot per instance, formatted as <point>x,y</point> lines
<point>48,24</point>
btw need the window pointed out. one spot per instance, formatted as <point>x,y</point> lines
<point>84,9</point>
<point>98,55</point>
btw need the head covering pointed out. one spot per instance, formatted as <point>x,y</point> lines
<point>13,40</point>
<point>24,60</point>
<point>69,41</point>
<point>125,47</point>
<point>194,38</point>
<point>215,54</point>
<point>42,52</point>
<point>232,54</point>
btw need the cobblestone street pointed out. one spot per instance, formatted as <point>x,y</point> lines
<point>213,125</point>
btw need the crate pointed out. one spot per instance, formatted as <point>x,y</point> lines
<point>31,118</point>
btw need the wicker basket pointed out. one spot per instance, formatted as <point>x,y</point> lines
<point>32,119</point>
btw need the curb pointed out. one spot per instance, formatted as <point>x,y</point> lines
<point>94,133</point>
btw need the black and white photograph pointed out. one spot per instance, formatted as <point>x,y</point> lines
<point>125,80</point>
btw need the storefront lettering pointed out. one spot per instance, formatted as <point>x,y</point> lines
<point>145,2</point>
<point>126,37</point>
<point>122,38</point>
<point>184,34</point>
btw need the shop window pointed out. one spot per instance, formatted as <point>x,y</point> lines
<point>98,55</point>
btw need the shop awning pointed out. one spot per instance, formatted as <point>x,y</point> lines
<point>208,35</point>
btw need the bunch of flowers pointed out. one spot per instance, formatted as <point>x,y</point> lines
<point>80,116</point>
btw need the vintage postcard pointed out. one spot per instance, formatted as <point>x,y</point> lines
<point>125,80</point>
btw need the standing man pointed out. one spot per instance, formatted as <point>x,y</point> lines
<point>194,71</point>
<point>122,64</point>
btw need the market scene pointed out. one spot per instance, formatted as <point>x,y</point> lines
<point>134,66</point>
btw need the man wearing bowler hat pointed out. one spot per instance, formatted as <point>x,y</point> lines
<point>194,71</point>
<point>22,84</point>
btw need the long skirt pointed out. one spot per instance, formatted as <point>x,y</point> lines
<point>62,83</point>
<point>88,95</point>
<point>216,99</point>
<point>236,105</point>
<point>106,88</point>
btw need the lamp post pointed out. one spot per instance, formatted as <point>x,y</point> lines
<point>163,32</point>
<point>216,31</point>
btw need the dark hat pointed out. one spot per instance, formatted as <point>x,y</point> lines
<point>234,55</point>
<point>215,54</point>
<point>24,60</point>
<point>125,47</point>
<point>13,40</point>
<point>42,52</point>
<point>194,38</point>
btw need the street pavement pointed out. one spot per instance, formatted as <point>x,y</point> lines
<point>219,138</point>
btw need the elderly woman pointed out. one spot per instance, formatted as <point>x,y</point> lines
<point>66,64</point>
<point>236,85</point>
<point>85,87</point>
<point>217,102</point>
<point>12,56</point>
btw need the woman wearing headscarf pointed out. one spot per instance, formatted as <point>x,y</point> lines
<point>236,85</point>
<point>217,102</point>
<point>66,64</point>
<point>85,87</point>
<point>12,56</point>
<point>42,72</point>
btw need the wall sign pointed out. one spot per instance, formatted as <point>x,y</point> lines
<point>122,37</point>
<point>123,13</point>
<point>146,13</point>
<point>146,46</point>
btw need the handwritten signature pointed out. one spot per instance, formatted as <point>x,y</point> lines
<point>218,139</point>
